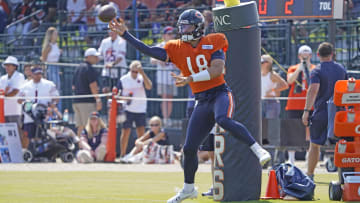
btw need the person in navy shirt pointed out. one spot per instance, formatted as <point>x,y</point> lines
<point>322,83</point>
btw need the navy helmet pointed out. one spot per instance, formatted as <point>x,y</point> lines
<point>187,20</point>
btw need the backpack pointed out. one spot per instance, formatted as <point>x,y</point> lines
<point>294,182</point>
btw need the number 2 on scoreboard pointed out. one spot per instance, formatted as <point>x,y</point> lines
<point>288,3</point>
<point>262,7</point>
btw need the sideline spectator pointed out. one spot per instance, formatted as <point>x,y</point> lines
<point>11,83</point>
<point>297,77</point>
<point>156,134</point>
<point>27,72</point>
<point>13,4</point>
<point>271,86</point>
<point>93,140</point>
<point>351,9</point>
<point>165,12</point>
<point>85,83</point>
<point>37,87</point>
<point>144,19</point>
<point>21,11</point>
<point>51,53</point>
<point>322,83</point>
<point>3,16</point>
<point>100,26</point>
<point>200,5</point>
<point>76,14</point>
<point>181,2</point>
<point>47,15</point>
<point>133,84</point>
<point>165,83</point>
<point>113,50</point>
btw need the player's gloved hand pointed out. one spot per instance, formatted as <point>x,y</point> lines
<point>181,81</point>
<point>118,26</point>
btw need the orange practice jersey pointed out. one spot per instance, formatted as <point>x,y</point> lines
<point>193,60</point>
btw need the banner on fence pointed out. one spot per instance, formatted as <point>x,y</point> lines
<point>10,144</point>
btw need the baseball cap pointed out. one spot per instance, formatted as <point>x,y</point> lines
<point>266,58</point>
<point>305,49</point>
<point>168,30</point>
<point>94,114</point>
<point>11,60</point>
<point>91,52</point>
<point>37,70</point>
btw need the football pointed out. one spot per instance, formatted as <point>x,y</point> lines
<point>107,13</point>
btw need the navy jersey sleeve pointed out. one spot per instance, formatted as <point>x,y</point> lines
<point>155,52</point>
<point>315,76</point>
<point>219,54</point>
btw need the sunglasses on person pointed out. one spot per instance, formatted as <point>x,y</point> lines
<point>133,71</point>
<point>154,125</point>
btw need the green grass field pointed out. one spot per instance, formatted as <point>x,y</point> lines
<point>91,187</point>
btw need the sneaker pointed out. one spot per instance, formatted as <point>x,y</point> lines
<point>180,196</point>
<point>208,193</point>
<point>100,153</point>
<point>263,155</point>
<point>84,156</point>
<point>125,159</point>
<point>136,159</point>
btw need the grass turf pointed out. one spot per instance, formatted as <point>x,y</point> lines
<point>100,187</point>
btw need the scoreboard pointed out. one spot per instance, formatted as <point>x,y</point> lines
<point>297,9</point>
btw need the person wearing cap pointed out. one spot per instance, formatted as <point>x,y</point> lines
<point>133,84</point>
<point>113,51</point>
<point>165,83</point>
<point>85,83</point>
<point>93,140</point>
<point>298,78</point>
<point>27,72</point>
<point>321,90</point>
<point>11,84</point>
<point>271,86</point>
<point>37,87</point>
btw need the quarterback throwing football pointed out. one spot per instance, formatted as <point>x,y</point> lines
<point>201,60</point>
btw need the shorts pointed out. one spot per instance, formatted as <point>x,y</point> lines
<point>318,131</point>
<point>29,130</point>
<point>82,112</point>
<point>208,143</point>
<point>166,89</point>
<point>138,118</point>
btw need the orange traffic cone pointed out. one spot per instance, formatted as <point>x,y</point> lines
<point>272,190</point>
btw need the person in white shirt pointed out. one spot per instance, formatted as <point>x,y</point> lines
<point>271,86</point>
<point>133,84</point>
<point>11,84</point>
<point>165,83</point>
<point>76,11</point>
<point>37,87</point>
<point>51,53</point>
<point>113,51</point>
<point>27,72</point>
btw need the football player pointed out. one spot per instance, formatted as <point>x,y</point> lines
<point>201,60</point>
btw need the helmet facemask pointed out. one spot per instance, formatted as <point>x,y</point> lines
<point>191,25</point>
